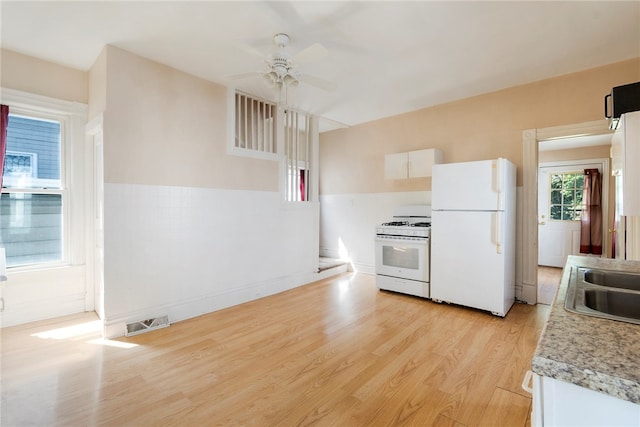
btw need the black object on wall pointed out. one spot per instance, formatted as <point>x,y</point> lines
<point>624,99</point>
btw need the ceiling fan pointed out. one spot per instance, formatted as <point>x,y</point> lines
<point>282,67</point>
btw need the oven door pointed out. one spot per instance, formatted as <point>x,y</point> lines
<point>403,257</point>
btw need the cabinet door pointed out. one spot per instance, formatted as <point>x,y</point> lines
<point>630,163</point>
<point>565,404</point>
<point>421,162</point>
<point>396,166</point>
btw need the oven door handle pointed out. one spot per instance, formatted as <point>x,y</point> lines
<point>402,239</point>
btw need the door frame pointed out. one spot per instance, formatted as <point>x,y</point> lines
<point>94,300</point>
<point>530,139</point>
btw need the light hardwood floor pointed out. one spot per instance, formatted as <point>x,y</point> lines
<point>337,352</point>
<point>548,283</point>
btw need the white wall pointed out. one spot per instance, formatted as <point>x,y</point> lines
<point>185,251</point>
<point>348,221</point>
<point>188,228</point>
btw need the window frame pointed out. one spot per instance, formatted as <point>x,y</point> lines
<point>72,118</point>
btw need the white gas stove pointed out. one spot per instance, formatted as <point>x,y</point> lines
<point>402,251</point>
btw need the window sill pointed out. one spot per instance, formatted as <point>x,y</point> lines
<point>36,268</point>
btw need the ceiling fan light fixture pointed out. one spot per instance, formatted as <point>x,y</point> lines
<point>290,80</point>
<point>270,78</point>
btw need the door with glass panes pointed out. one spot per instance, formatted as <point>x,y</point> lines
<point>559,207</point>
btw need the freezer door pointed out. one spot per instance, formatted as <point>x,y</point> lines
<point>471,264</point>
<point>476,186</point>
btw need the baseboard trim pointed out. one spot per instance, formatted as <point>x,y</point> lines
<point>364,268</point>
<point>526,293</point>
<point>115,326</point>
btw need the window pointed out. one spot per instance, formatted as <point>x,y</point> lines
<point>20,164</point>
<point>31,204</point>
<point>255,124</point>
<point>297,138</point>
<point>262,129</point>
<point>566,196</point>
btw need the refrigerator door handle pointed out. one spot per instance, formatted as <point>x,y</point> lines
<point>498,232</point>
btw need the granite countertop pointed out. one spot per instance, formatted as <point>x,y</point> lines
<point>595,353</point>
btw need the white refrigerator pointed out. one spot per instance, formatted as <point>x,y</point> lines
<point>473,234</point>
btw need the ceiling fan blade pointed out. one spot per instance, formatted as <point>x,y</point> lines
<point>333,124</point>
<point>311,53</point>
<point>317,82</point>
<point>247,48</point>
<point>242,76</point>
<point>286,12</point>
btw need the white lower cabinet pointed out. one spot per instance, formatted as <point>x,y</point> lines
<point>558,403</point>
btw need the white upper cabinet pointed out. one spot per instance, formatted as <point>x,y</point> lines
<point>412,164</point>
<point>396,166</point>
<point>625,163</point>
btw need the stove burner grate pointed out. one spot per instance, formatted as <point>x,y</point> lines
<point>396,223</point>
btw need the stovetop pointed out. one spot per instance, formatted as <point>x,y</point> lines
<point>414,227</point>
<point>406,224</point>
<point>408,220</point>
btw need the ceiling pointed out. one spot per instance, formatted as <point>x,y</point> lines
<point>568,143</point>
<point>384,58</point>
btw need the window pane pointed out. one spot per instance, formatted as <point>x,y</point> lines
<point>568,196</point>
<point>570,181</point>
<point>33,153</point>
<point>556,181</point>
<point>31,227</point>
<point>568,213</point>
<point>556,197</point>
<point>555,212</point>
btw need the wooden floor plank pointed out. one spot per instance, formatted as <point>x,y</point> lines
<point>337,352</point>
<point>505,408</point>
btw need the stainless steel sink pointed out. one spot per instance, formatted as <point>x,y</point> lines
<point>603,293</point>
<point>613,279</point>
<point>621,304</point>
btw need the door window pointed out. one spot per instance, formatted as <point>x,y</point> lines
<point>565,193</point>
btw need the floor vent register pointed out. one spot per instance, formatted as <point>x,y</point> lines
<point>148,325</point>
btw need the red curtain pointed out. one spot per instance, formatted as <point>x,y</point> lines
<point>591,218</point>
<point>302,185</point>
<point>4,121</point>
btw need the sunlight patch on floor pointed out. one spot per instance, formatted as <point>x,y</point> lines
<point>112,343</point>
<point>71,332</point>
